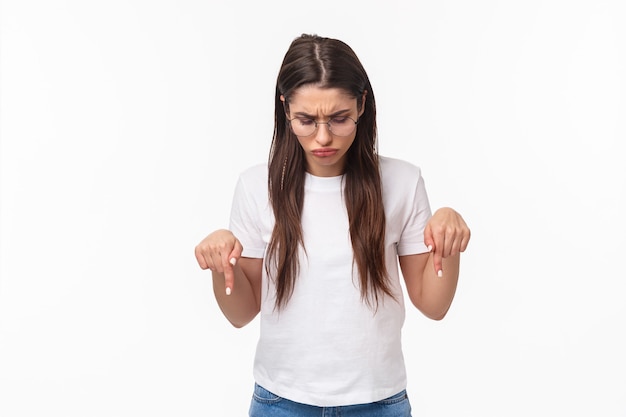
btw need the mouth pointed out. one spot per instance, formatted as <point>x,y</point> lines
<point>324,152</point>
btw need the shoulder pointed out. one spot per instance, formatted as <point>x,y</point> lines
<point>252,184</point>
<point>254,175</point>
<point>392,170</point>
<point>403,189</point>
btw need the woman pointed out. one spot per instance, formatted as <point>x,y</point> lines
<point>314,242</point>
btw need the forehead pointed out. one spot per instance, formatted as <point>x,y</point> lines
<point>313,99</point>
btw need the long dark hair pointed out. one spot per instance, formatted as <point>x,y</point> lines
<point>326,63</point>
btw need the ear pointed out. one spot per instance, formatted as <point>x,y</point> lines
<point>363,103</point>
<point>282,98</point>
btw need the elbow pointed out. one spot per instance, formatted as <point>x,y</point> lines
<point>238,323</point>
<point>432,309</point>
<point>439,314</point>
<point>433,313</point>
<point>437,317</point>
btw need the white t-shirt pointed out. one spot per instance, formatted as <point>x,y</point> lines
<point>327,347</point>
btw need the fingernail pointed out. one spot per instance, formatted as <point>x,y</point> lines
<point>430,248</point>
<point>440,273</point>
<point>227,290</point>
<point>233,261</point>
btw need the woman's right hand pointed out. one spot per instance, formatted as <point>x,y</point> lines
<point>219,252</point>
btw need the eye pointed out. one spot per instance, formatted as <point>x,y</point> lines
<point>305,122</point>
<point>338,121</point>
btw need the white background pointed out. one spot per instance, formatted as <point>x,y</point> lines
<point>124,125</point>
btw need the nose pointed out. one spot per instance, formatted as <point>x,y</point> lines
<point>323,136</point>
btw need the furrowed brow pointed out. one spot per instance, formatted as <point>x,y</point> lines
<point>330,116</point>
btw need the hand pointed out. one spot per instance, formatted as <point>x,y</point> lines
<point>219,252</point>
<point>446,234</point>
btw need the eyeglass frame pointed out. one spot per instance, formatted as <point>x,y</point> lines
<point>323,123</point>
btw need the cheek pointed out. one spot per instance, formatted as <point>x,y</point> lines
<point>351,143</point>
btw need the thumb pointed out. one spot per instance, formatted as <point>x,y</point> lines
<point>235,254</point>
<point>437,255</point>
<point>429,241</point>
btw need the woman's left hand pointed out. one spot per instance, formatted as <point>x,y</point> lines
<point>446,234</point>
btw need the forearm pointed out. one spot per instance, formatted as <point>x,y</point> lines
<point>242,305</point>
<point>437,293</point>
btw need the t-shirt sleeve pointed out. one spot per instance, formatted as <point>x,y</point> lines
<point>245,220</point>
<point>412,239</point>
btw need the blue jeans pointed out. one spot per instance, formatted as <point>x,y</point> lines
<point>266,404</point>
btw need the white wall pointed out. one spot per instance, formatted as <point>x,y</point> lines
<point>125,123</point>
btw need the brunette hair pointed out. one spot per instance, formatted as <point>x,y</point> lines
<point>326,63</point>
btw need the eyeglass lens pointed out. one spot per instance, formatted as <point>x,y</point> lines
<point>339,126</point>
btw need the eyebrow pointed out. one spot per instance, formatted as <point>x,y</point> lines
<point>330,116</point>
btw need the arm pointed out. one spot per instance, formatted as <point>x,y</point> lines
<point>241,306</point>
<point>236,280</point>
<point>431,278</point>
<point>431,294</point>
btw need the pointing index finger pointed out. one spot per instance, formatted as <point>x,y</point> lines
<point>229,260</point>
<point>438,257</point>
<point>229,273</point>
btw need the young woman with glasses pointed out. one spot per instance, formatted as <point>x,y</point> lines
<point>315,238</point>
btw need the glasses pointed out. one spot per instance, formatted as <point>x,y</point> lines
<point>338,126</point>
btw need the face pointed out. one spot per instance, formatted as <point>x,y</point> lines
<point>325,152</point>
